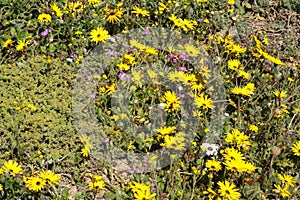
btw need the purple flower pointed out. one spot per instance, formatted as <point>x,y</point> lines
<point>181,95</point>
<point>122,75</point>
<point>106,140</point>
<point>73,55</point>
<point>200,20</point>
<point>289,132</point>
<point>93,96</point>
<point>111,53</point>
<point>45,32</point>
<point>147,32</point>
<point>153,189</point>
<point>183,57</point>
<point>181,69</point>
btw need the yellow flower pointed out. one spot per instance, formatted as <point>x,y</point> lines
<point>1,187</point>
<point>97,185</point>
<point>35,183</point>
<point>202,101</point>
<point>296,148</point>
<point>151,50</point>
<point>287,180</point>
<point>248,90</point>
<point>141,191</point>
<point>56,10</point>
<point>44,17</point>
<point>235,64</point>
<point>12,167</point>
<point>174,142</point>
<point>123,66</point>
<point>85,152</point>
<point>266,41</point>
<point>113,16</point>
<point>244,74</point>
<point>253,128</point>
<point>280,94</point>
<point>228,190</point>
<point>231,2</point>
<point>50,177</point>
<point>165,131</point>
<point>7,42</point>
<point>138,11</point>
<point>213,165</point>
<point>191,50</point>
<point>283,191</point>
<point>94,2</point>
<point>22,45</point>
<point>99,35</point>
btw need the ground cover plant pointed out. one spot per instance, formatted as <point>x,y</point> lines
<point>214,84</point>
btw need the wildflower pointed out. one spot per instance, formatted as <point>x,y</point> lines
<point>228,190</point>
<point>280,94</point>
<point>237,137</point>
<point>1,187</point>
<point>45,32</point>
<point>56,10</point>
<point>235,64</point>
<point>123,66</point>
<point>232,154</point>
<point>151,50</point>
<point>287,180</point>
<point>35,183</point>
<point>94,2</point>
<point>6,43</point>
<point>211,194</point>
<point>230,2</point>
<point>44,17</point>
<point>12,167</point>
<point>253,128</point>
<point>138,11</point>
<point>296,148</point>
<point>213,165</point>
<point>203,101</point>
<point>22,45</point>
<point>243,74</point>
<point>147,32</point>
<point>211,149</point>
<point>113,16</point>
<point>174,142</point>
<point>166,131</point>
<point>170,97</point>
<point>142,191</point>
<point>122,75</point>
<point>239,166</point>
<point>97,185</point>
<point>85,152</point>
<point>162,8</point>
<point>246,91</point>
<point>135,43</point>
<point>31,107</point>
<point>283,191</point>
<point>50,177</point>
<point>181,69</point>
<point>128,59</point>
<point>99,35</point>
<point>74,7</point>
<point>110,88</point>
<point>191,50</point>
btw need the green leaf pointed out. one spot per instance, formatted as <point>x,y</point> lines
<point>52,48</point>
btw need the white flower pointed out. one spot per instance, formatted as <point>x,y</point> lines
<point>211,149</point>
